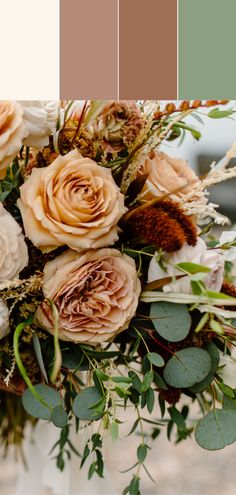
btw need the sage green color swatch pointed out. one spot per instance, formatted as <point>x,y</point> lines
<point>207,49</point>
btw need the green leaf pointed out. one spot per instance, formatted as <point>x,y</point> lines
<point>215,359</point>
<point>172,321</point>
<point>101,375</point>
<point>35,408</point>
<point>187,367</point>
<point>142,452</point>
<point>147,381</point>
<point>114,430</point>
<point>38,353</point>
<point>226,390</point>
<point>137,384</point>
<point>83,402</point>
<point>156,359</point>
<point>217,429</point>
<point>191,268</point>
<point>134,486</point>
<point>150,400</point>
<point>59,417</point>
<point>178,419</point>
<point>121,379</point>
<point>220,114</point>
<point>229,403</point>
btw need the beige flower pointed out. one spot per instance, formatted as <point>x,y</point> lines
<point>165,175</point>
<point>72,202</point>
<point>4,319</point>
<point>118,125</point>
<point>198,254</point>
<point>13,249</point>
<point>12,133</point>
<point>40,118</point>
<point>96,295</point>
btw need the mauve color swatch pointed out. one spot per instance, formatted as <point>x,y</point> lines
<point>148,49</point>
<point>89,49</point>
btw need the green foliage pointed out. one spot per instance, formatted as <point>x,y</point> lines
<point>187,367</point>
<point>89,404</point>
<point>59,417</point>
<point>215,113</point>
<point>41,409</point>
<point>156,359</point>
<point>172,321</point>
<point>217,429</point>
<point>215,359</point>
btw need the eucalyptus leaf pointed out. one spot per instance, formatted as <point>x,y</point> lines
<point>171,321</point>
<point>83,406</point>
<point>215,359</point>
<point>59,417</point>
<point>156,359</point>
<point>229,403</point>
<point>217,429</point>
<point>35,408</point>
<point>187,367</point>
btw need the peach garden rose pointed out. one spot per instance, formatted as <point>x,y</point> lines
<point>72,202</point>
<point>166,174</point>
<point>12,133</point>
<point>96,295</point>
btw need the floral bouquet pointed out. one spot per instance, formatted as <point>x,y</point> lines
<point>114,292</point>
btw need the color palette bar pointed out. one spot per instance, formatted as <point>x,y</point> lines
<point>207,49</point>
<point>117,49</point>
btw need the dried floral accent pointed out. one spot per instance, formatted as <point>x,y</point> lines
<point>19,289</point>
<point>187,105</point>
<point>118,125</point>
<point>171,396</point>
<point>83,141</point>
<point>228,289</point>
<point>151,142</point>
<point>164,225</point>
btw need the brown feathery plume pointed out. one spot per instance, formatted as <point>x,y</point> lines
<point>164,225</point>
<point>228,289</point>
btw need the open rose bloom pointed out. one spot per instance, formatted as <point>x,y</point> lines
<point>72,202</point>
<point>96,295</point>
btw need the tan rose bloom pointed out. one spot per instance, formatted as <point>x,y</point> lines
<point>166,174</point>
<point>13,249</point>
<point>72,202</point>
<point>12,133</point>
<point>96,295</point>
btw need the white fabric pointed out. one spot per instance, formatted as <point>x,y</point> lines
<point>43,477</point>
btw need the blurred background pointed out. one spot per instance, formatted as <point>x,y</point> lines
<point>182,469</point>
<point>217,137</point>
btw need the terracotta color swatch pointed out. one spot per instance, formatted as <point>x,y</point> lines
<point>88,49</point>
<point>148,49</point>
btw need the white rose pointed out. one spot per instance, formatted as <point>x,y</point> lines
<point>40,118</point>
<point>4,319</point>
<point>198,254</point>
<point>13,249</point>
